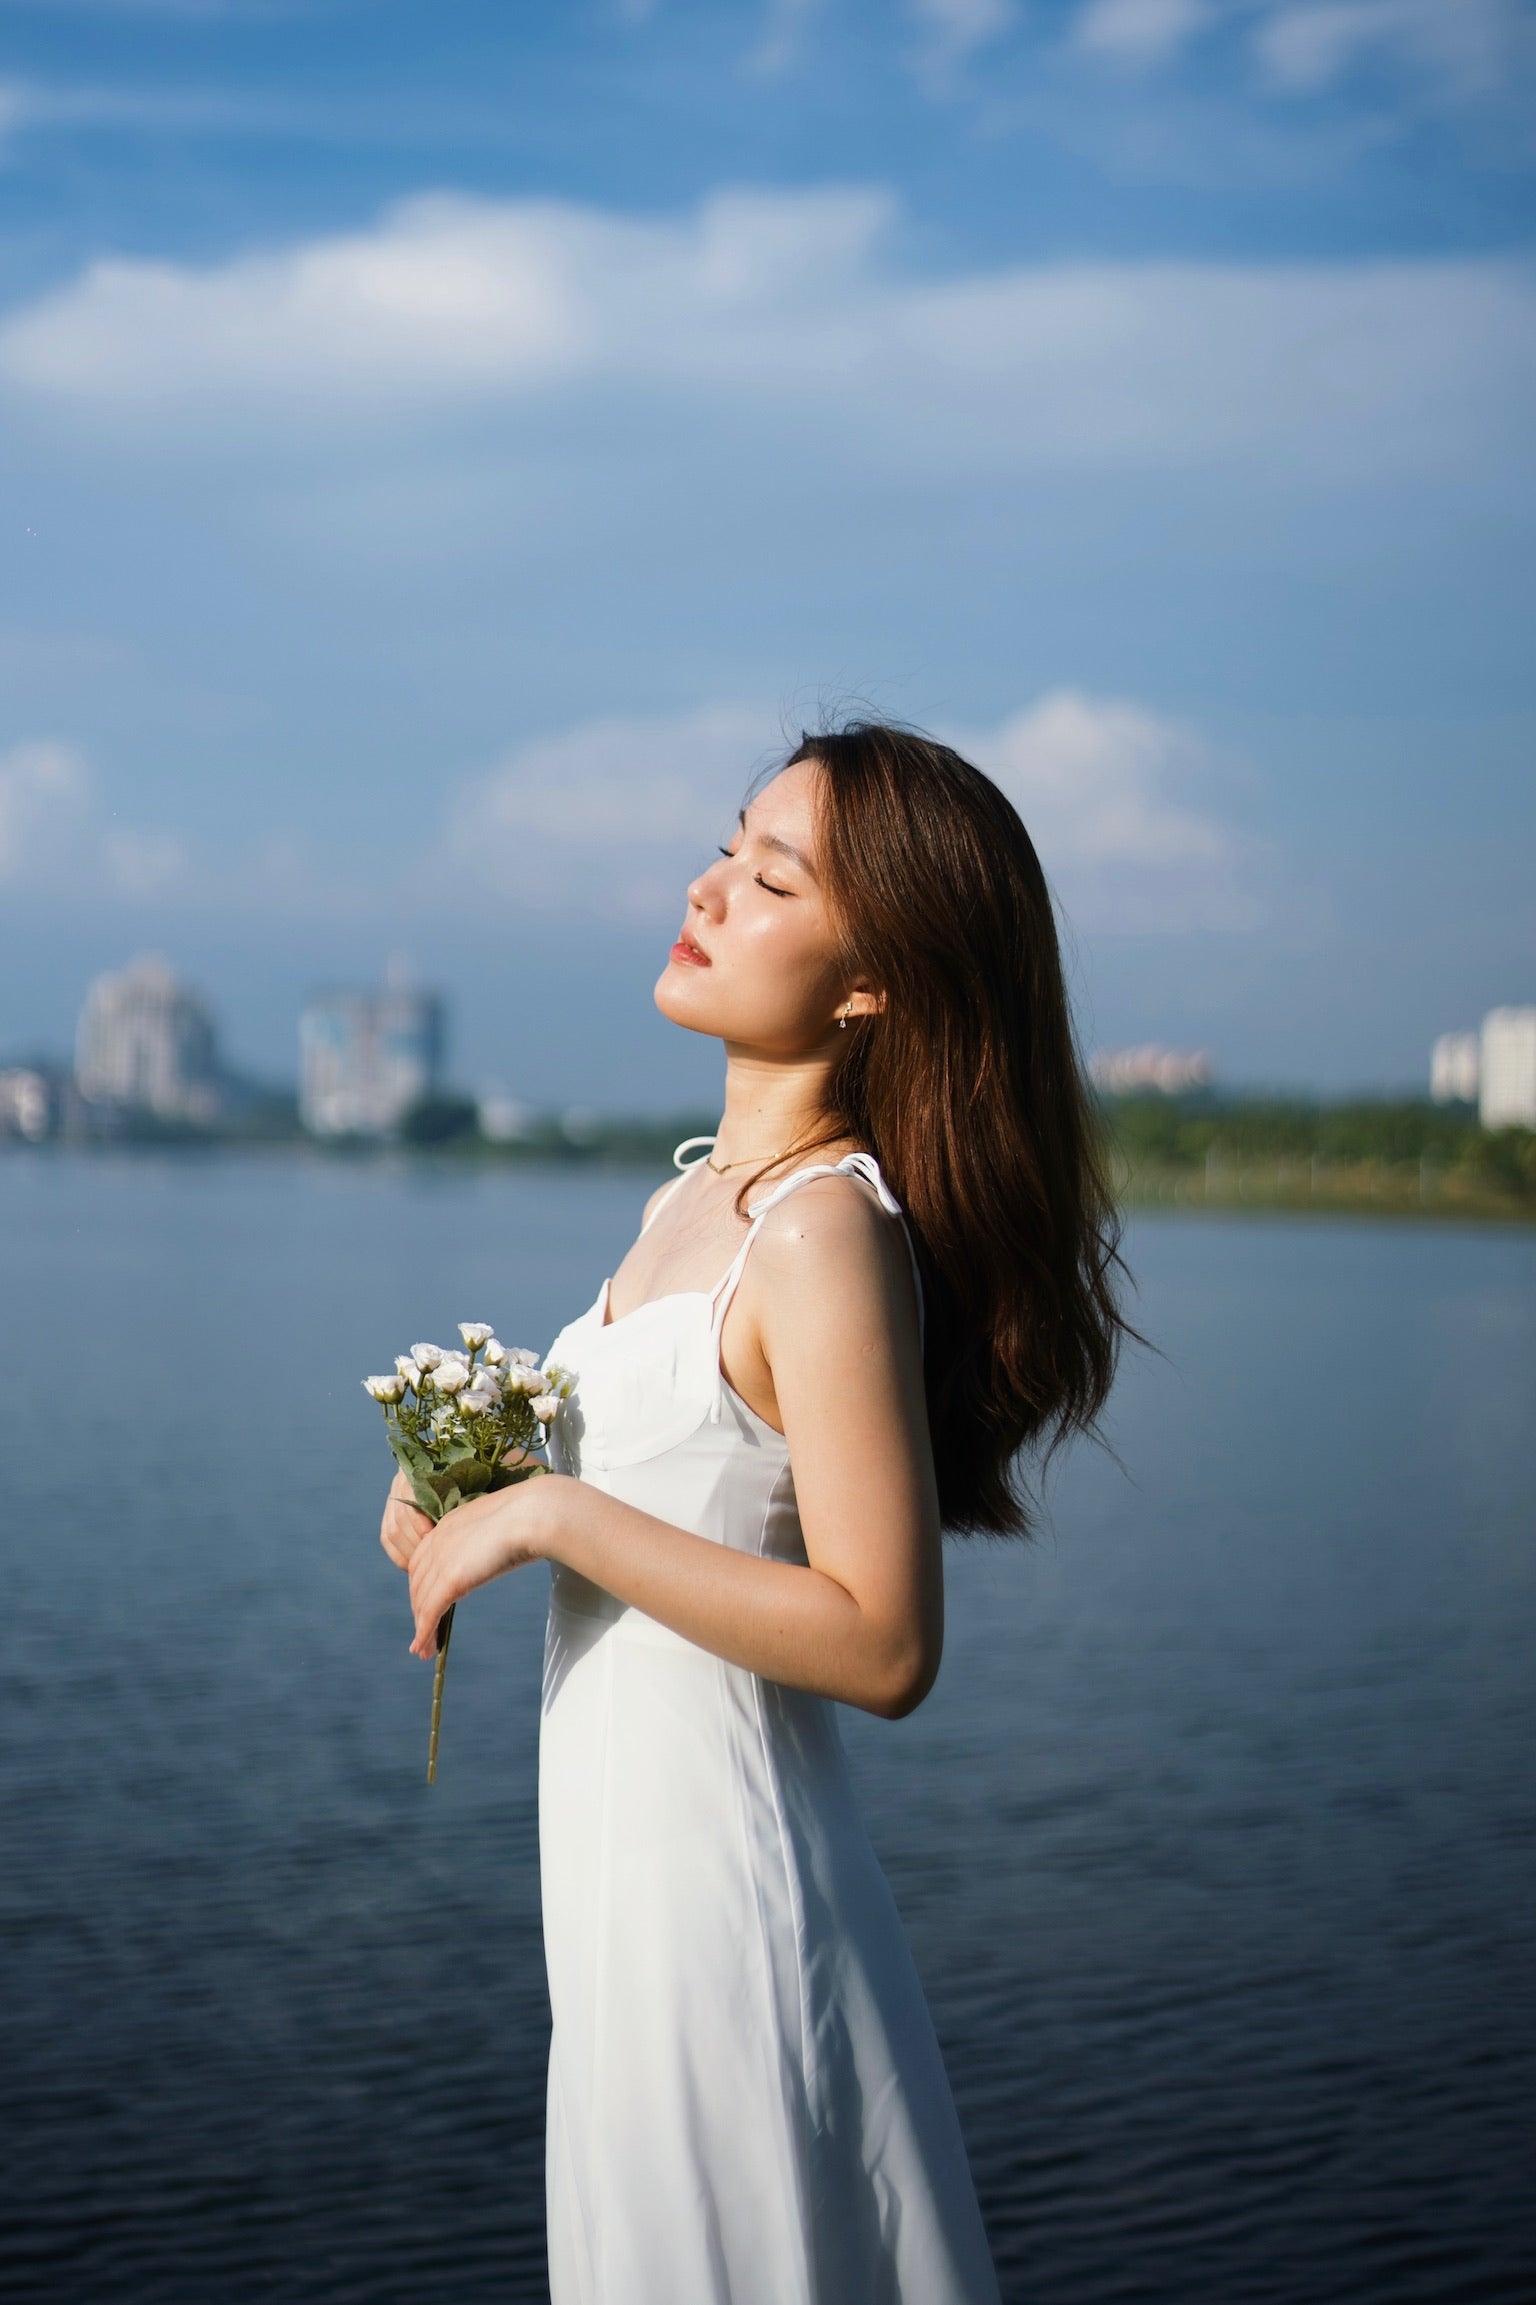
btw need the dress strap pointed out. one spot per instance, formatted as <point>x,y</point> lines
<point>687,1145</point>
<point>673,1183</point>
<point>862,1165</point>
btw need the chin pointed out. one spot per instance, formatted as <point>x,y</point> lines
<point>683,1000</point>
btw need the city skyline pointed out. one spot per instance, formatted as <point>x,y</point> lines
<point>442,471</point>
<point>367,1053</point>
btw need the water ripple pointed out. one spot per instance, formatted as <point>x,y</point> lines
<point>1215,1844</point>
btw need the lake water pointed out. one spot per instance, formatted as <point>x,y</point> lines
<point>1215,1843</point>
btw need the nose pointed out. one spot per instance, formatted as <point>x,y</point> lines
<point>707,892</point>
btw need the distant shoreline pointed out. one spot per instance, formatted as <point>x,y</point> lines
<point>1416,1191</point>
<point>1336,1189</point>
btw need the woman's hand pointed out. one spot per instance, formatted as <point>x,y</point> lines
<point>404,1523</point>
<point>477,1541</point>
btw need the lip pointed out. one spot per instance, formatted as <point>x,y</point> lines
<point>689,955</point>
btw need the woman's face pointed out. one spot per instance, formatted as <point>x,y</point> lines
<point>756,962</point>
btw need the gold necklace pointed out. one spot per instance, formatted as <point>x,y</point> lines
<point>724,1168</point>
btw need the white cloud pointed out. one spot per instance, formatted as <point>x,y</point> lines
<point>605,823</point>
<point>779,46</point>
<point>953,31</point>
<point>43,806</point>
<point>787,313</point>
<point>56,841</point>
<point>34,105</point>
<point>1139,32</point>
<point>145,865</point>
<point>445,296</point>
<point>609,820</point>
<point>1108,792</point>
<point>1304,46</point>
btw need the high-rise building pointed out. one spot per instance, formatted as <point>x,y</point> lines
<point>1169,1071</point>
<point>26,1108</point>
<point>1507,1069</point>
<point>366,1057</point>
<point>1453,1068</point>
<point>146,1043</point>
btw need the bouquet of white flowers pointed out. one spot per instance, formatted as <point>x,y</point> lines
<point>462,1423</point>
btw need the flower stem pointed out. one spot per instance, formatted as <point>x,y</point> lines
<point>444,1636</point>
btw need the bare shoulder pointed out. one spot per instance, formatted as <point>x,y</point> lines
<point>830,1276</point>
<point>834,1228</point>
<point>655,1201</point>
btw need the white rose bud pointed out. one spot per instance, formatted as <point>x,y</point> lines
<point>546,1407</point>
<point>495,1352</point>
<point>426,1357</point>
<point>475,1333</point>
<point>386,1389</point>
<point>481,1400</point>
<point>410,1374</point>
<point>524,1358</point>
<point>450,1376</point>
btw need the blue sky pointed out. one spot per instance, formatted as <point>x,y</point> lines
<point>443,449</point>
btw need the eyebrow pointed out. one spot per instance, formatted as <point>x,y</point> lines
<point>784,847</point>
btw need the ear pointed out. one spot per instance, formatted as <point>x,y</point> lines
<point>862,1000</point>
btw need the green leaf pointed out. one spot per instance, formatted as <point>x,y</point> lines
<point>410,1453</point>
<point>508,1476</point>
<point>417,1466</point>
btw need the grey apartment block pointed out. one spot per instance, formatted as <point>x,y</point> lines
<point>366,1057</point>
<point>145,1043</point>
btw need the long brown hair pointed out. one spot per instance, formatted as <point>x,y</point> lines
<point>967,1088</point>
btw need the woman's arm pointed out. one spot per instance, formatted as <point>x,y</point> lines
<point>830,1314</point>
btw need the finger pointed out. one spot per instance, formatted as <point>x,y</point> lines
<point>424,1639</point>
<point>398,1537</point>
<point>399,1540</point>
<point>431,1601</point>
<point>422,1556</point>
<point>425,1581</point>
<point>418,1638</point>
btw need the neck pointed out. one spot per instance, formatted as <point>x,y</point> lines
<point>770,1104</point>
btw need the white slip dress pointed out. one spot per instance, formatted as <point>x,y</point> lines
<point>747,2105</point>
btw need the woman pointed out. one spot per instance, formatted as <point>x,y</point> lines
<point>784,1393</point>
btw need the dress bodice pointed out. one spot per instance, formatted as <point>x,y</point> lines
<point>652,1418</point>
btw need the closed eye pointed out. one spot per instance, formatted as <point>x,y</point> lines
<point>757,876</point>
